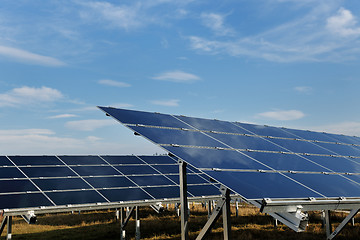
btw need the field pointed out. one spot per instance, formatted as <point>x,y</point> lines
<point>250,225</point>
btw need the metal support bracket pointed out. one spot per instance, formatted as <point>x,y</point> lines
<point>343,224</point>
<point>223,206</point>
<point>158,208</point>
<point>128,216</point>
<point>30,218</point>
<point>7,221</point>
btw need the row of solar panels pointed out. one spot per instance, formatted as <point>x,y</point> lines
<point>34,181</point>
<point>256,161</point>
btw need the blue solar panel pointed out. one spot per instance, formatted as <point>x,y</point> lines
<point>34,181</point>
<point>256,161</point>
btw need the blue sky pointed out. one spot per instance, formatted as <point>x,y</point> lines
<point>292,63</point>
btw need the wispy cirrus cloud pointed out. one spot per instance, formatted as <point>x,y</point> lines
<point>215,22</point>
<point>166,103</point>
<point>89,124</point>
<point>65,115</point>
<point>29,95</point>
<point>24,56</point>
<point>313,36</point>
<point>177,76</point>
<point>282,115</point>
<point>303,89</point>
<point>113,83</point>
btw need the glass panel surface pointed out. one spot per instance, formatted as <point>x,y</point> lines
<point>7,186</point>
<point>122,159</point>
<point>265,130</point>
<point>131,194</point>
<point>61,184</point>
<point>300,146</point>
<point>75,197</point>
<point>23,201</point>
<point>209,158</point>
<point>169,136</point>
<point>47,171</point>
<point>4,161</point>
<point>309,135</point>
<point>191,179</point>
<point>146,118</point>
<point>244,142</point>
<point>10,172</point>
<point>158,159</point>
<point>337,164</point>
<point>95,171</point>
<point>262,185</point>
<point>329,185</point>
<point>293,162</point>
<point>144,169</point>
<point>35,160</point>
<point>165,169</point>
<point>109,182</point>
<point>151,180</point>
<point>164,192</point>
<point>212,125</point>
<point>82,160</point>
<point>204,190</point>
<point>343,150</point>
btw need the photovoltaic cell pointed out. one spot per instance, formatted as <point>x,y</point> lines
<point>34,181</point>
<point>256,161</point>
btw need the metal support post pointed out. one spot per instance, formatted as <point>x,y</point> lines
<point>343,224</point>
<point>223,206</point>
<point>327,221</point>
<point>9,228</point>
<point>226,212</point>
<point>209,209</point>
<point>275,223</point>
<point>122,232</point>
<point>128,216</point>
<point>137,224</point>
<point>236,208</point>
<point>183,201</point>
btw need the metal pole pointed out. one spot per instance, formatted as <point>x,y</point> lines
<point>137,222</point>
<point>226,215</point>
<point>236,208</point>
<point>9,228</point>
<point>209,209</point>
<point>183,201</point>
<point>327,223</point>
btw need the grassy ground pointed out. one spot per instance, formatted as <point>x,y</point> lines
<point>250,225</point>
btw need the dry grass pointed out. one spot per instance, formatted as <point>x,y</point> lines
<point>250,224</point>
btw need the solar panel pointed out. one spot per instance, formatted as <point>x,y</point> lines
<point>255,161</point>
<point>51,181</point>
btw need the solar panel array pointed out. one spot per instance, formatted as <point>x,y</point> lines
<point>256,161</point>
<point>34,181</point>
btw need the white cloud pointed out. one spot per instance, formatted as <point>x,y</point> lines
<point>66,115</point>
<point>303,89</point>
<point>346,128</point>
<point>343,23</point>
<point>126,17</point>
<point>113,83</point>
<point>22,132</point>
<point>177,76</point>
<point>216,23</point>
<point>29,95</point>
<point>89,124</point>
<point>29,57</point>
<point>166,103</point>
<point>282,115</point>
